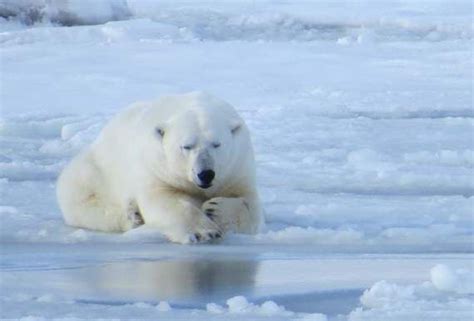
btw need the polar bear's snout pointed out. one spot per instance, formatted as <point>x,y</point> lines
<point>204,169</point>
<point>206,177</point>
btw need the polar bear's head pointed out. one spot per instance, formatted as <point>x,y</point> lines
<point>199,141</point>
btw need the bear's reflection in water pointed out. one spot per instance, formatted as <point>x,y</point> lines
<point>175,280</point>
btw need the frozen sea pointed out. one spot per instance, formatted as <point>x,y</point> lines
<point>361,115</point>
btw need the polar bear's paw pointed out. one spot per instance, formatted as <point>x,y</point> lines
<point>225,211</point>
<point>203,230</point>
<point>204,237</point>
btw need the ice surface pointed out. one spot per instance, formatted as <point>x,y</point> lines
<point>130,281</point>
<point>360,113</point>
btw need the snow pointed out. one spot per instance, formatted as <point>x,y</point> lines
<point>65,12</point>
<point>240,305</point>
<point>438,299</point>
<point>458,281</point>
<point>361,116</point>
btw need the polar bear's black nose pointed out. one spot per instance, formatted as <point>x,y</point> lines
<point>206,176</point>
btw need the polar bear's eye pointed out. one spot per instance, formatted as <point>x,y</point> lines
<point>160,131</point>
<point>187,147</point>
<point>216,145</point>
<point>235,128</point>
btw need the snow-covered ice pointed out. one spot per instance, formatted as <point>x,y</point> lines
<point>362,119</point>
<point>437,299</point>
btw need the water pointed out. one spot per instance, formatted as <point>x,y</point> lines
<point>299,278</point>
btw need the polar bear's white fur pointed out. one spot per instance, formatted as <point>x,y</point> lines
<point>183,164</point>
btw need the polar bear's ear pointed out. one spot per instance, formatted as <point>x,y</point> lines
<point>160,132</point>
<point>235,127</point>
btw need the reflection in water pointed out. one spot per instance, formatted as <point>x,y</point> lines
<point>175,280</point>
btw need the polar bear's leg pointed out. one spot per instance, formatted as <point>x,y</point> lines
<point>83,202</point>
<point>238,214</point>
<point>178,216</point>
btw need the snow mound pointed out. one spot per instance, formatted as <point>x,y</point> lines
<point>163,306</point>
<point>65,12</point>
<point>383,294</point>
<point>446,279</point>
<point>47,307</point>
<point>240,305</point>
<point>445,297</point>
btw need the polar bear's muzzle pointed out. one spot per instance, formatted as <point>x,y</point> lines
<point>204,169</point>
<point>205,178</point>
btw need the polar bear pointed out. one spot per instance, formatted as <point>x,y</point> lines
<point>183,164</point>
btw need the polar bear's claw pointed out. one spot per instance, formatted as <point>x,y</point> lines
<point>202,238</point>
<point>216,235</point>
<point>210,213</point>
<point>204,230</point>
<point>216,210</point>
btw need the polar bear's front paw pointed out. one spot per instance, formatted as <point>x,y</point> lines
<point>204,237</point>
<point>204,231</point>
<point>224,211</point>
